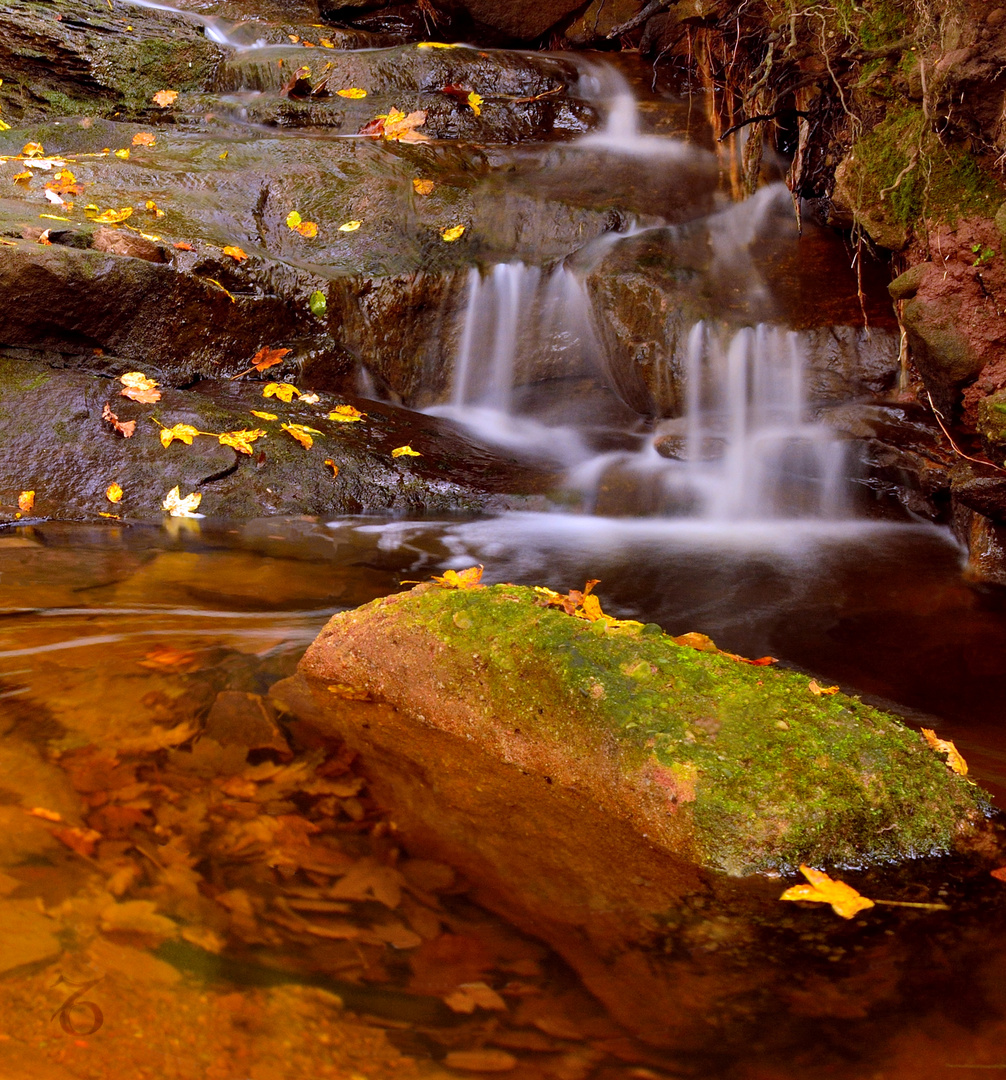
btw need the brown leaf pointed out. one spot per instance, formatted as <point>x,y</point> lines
<point>955,761</point>
<point>267,358</point>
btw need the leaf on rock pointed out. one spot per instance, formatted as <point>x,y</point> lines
<point>164,98</point>
<point>844,899</point>
<point>177,506</point>
<point>350,226</point>
<point>263,415</point>
<point>144,138</point>
<point>396,126</point>
<point>235,253</point>
<point>474,101</point>
<point>461,579</point>
<point>346,414</point>
<point>999,873</point>
<point>405,451</point>
<point>704,643</point>
<point>354,93</point>
<point>267,358</point>
<point>817,689</point>
<point>282,390</point>
<point>26,501</point>
<point>111,217</point>
<point>301,433</point>
<point>955,761</point>
<point>113,493</point>
<point>423,187</point>
<point>453,233</point>
<point>332,465</point>
<point>137,387</point>
<point>370,880</point>
<point>241,440</point>
<point>154,209</point>
<point>181,245</point>
<point>123,154</point>
<point>435,45</point>
<point>182,432</point>
<point>318,304</point>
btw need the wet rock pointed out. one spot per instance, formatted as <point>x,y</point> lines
<point>599,19</point>
<point>992,420</point>
<point>535,751</point>
<point>520,19</point>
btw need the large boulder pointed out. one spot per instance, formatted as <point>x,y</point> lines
<point>590,776</point>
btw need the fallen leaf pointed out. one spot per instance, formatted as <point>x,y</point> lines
<point>263,415</point>
<point>706,644</point>
<point>177,506</point>
<point>144,138</point>
<point>353,92</point>
<point>111,217</point>
<point>474,101</point>
<point>241,440</point>
<point>32,150</point>
<point>346,414</point>
<point>154,209</point>
<point>844,899</point>
<point>309,399</point>
<point>82,841</point>
<point>26,501</point>
<point>461,579</point>
<point>370,880</point>
<point>464,95</point>
<point>453,233</point>
<point>942,746</point>
<point>164,98</point>
<point>423,187</point>
<point>396,126</point>
<point>124,427</point>
<point>326,44</point>
<point>51,815</point>
<point>64,183</point>
<point>113,493</point>
<point>435,45</point>
<point>332,465</point>
<point>405,451</point>
<point>124,154</point>
<point>55,199</point>
<point>469,996</point>
<point>166,658</point>
<point>182,246</point>
<point>282,390</point>
<point>301,433</point>
<point>267,358</point>
<point>182,432</point>
<point>235,253</point>
<point>999,873</point>
<point>350,226</point>
<point>137,387</point>
<point>307,229</point>
<point>21,177</point>
<point>817,690</point>
<point>318,304</point>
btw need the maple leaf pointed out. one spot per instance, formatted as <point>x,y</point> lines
<point>32,150</point>
<point>125,428</point>
<point>110,217</point>
<point>82,841</point>
<point>241,440</point>
<point>817,689</point>
<point>182,432</point>
<point>282,390</point>
<point>64,183</point>
<point>137,387</point>
<point>235,253</point>
<point>942,746</point>
<point>350,226</point>
<point>423,187</point>
<point>453,233</point>
<point>144,138</point>
<point>177,506</point>
<point>301,433</point>
<point>844,899</point>
<point>26,501</point>
<point>164,98</point>
<point>263,415</point>
<point>264,359</point>
<point>346,414</point>
<point>396,126</point>
<point>113,493</point>
<point>352,92</point>
<point>332,465</point>
<point>405,451</point>
<point>461,579</point>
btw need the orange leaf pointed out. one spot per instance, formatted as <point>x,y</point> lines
<point>942,746</point>
<point>241,440</point>
<point>25,501</point>
<point>301,433</point>
<point>82,841</point>
<point>817,689</point>
<point>235,252</point>
<point>113,493</point>
<point>999,873</point>
<point>423,187</point>
<point>164,98</point>
<point>461,579</point>
<point>307,229</point>
<point>346,414</point>
<point>124,427</point>
<point>182,432</point>
<point>282,390</point>
<point>332,465</point>
<point>144,138</point>
<point>182,246</point>
<point>844,899</point>
<point>267,358</point>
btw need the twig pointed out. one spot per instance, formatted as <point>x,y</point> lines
<point>524,100</point>
<point>637,20</point>
<point>762,117</point>
<point>957,449</point>
<point>910,903</point>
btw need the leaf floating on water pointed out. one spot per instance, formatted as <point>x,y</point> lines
<point>423,187</point>
<point>164,98</point>
<point>235,253</point>
<point>282,390</point>
<point>844,899</point>
<point>817,689</point>
<point>396,126</point>
<point>241,440</point>
<point>306,228</point>
<point>405,451</point>
<point>182,432</point>
<point>350,226</point>
<point>144,138</point>
<point>453,233</point>
<point>124,427</point>
<point>110,217</point>
<point>332,465</point>
<point>177,506</point>
<point>955,761</point>
<point>113,493</point>
<point>301,433</point>
<point>461,579</point>
<point>26,501</point>
<point>137,387</point>
<point>346,414</point>
<point>352,92</point>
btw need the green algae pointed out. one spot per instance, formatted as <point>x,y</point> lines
<point>779,776</point>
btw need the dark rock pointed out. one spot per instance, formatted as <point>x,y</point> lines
<point>520,19</point>
<point>130,244</point>
<point>992,420</point>
<point>594,24</point>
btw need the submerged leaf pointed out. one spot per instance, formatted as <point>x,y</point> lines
<point>423,187</point>
<point>844,899</point>
<point>453,233</point>
<point>144,138</point>
<point>112,217</point>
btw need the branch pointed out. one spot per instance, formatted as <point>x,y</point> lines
<point>762,117</point>
<point>637,20</point>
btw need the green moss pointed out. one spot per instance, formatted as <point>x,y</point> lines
<point>780,776</point>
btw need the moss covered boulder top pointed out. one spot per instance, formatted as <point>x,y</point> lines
<point>733,767</point>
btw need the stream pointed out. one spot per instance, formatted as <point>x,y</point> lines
<point>236,907</point>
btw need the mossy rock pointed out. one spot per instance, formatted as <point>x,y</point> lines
<point>992,419</point>
<point>722,764</point>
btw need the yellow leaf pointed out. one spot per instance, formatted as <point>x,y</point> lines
<point>144,138</point>
<point>401,128</point>
<point>474,101</point>
<point>405,451</point>
<point>326,44</point>
<point>435,45</point>
<point>137,387</point>
<point>454,233</point>
<point>263,415</point>
<point>111,217</point>
<point>308,229</point>
<point>241,440</point>
<point>25,501</point>
<point>113,493</point>
<point>461,579</point>
<point>423,187</point>
<point>944,746</point>
<point>22,177</point>
<point>124,154</point>
<point>293,219</point>
<point>817,689</point>
<point>332,465</point>
<point>164,98</point>
<point>346,414</point>
<point>301,433</point>
<point>350,226</point>
<point>354,92</point>
<point>154,208</point>
<point>176,506</point>
<point>235,253</point>
<point>32,150</point>
<point>844,899</point>
<point>282,390</point>
<point>182,432</point>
